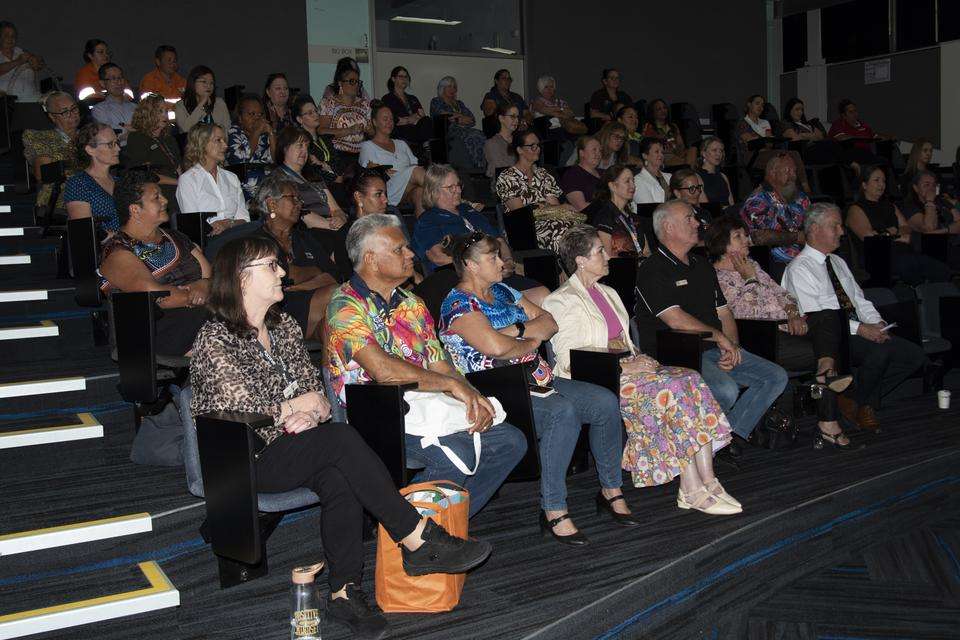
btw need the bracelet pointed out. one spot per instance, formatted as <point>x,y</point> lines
<point>751,281</point>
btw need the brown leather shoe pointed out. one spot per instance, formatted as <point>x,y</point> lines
<point>867,419</point>
<point>849,408</point>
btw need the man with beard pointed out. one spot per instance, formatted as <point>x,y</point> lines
<point>774,213</point>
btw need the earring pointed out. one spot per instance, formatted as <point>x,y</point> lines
<point>273,213</point>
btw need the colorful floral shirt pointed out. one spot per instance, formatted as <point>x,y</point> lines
<point>358,317</point>
<point>765,209</point>
<point>760,300</point>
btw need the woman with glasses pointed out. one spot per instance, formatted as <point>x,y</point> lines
<point>496,150</point>
<point>143,256</point>
<point>47,146</point>
<point>527,185</point>
<point>345,115</point>
<point>320,151</point>
<point>610,215</point>
<point>251,141</point>
<point>276,96</point>
<point>206,186</point>
<point>404,175</point>
<point>613,145</point>
<point>716,186</point>
<point>630,118</point>
<point>652,182</point>
<point>89,193</point>
<point>413,125</point>
<point>659,126</point>
<point>200,103</point>
<point>674,425</point>
<point>466,142</point>
<point>608,99</point>
<point>686,185</point>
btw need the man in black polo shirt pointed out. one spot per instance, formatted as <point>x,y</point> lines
<point>678,290</point>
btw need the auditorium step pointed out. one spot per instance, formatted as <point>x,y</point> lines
<point>74,533</point>
<point>79,426</point>
<point>42,329</point>
<point>54,337</point>
<point>90,379</point>
<point>16,213</point>
<point>36,295</point>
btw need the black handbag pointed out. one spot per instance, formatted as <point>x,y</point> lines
<point>775,431</point>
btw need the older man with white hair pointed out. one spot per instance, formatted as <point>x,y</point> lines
<point>678,290</point>
<point>378,332</point>
<point>822,281</point>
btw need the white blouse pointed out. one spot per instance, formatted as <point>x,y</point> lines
<point>197,190</point>
<point>648,188</point>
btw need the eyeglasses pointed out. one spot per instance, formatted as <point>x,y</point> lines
<point>273,264</point>
<point>512,116</point>
<point>112,144</point>
<point>73,109</point>
<point>454,187</point>
<point>350,81</point>
<point>694,188</point>
<point>532,145</point>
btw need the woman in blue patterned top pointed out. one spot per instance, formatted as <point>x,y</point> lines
<point>466,140</point>
<point>485,323</point>
<point>89,193</point>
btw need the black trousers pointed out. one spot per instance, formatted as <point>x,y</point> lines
<point>881,367</point>
<point>333,461</point>
<point>800,353</point>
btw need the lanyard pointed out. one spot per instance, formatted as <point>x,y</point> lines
<point>631,230</point>
<point>276,363</point>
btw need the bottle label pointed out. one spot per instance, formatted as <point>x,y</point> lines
<point>306,622</point>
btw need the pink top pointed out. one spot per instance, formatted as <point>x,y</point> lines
<point>760,300</point>
<point>614,330</point>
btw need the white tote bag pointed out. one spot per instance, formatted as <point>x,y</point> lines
<point>434,414</point>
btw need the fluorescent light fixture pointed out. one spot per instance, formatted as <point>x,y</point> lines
<point>440,21</point>
<point>508,52</point>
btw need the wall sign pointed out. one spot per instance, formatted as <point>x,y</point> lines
<point>876,71</point>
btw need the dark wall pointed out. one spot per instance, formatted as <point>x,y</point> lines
<point>242,41</point>
<point>698,51</point>
<point>908,106</point>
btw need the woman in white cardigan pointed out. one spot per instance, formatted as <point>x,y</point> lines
<point>673,422</point>
<point>206,186</point>
<point>652,184</point>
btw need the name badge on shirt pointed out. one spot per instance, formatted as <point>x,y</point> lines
<point>681,283</point>
<point>290,389</point>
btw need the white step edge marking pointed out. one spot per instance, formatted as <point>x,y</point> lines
<point>16,258</point>
<point>161,594</point>
<point>25,295</point>
<point>76,533</point>
<point>3,188</point>
<point>11,231</point>
<point>86,427</point>
<point>44,329</point>
<point>5,208</point>
<point>40,387</point>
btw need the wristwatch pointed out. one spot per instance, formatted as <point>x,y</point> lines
<point>520,328</point>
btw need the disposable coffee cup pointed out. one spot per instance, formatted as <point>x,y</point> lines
<point>943,399</point>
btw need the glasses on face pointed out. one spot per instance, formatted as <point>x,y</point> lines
<point>272,264</point>
<point>350,81</point>
<point>110,144</point>
<point>453,187</point>
<point>693,188</point>
<point>512,116</point>
<point>69,110</point>
<point>531,146</point>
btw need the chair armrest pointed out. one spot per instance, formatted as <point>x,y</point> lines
<point>760,337</point>
<point>377,412</point>
<point>227,442</point>
<point>681,348</point>
<point>520,228</point>
<point>134,326</point>
<point>597,366</point>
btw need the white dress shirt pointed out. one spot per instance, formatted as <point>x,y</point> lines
<point>116,114</point>
<point>198,191</point>
<point>20,81</point>
<point>648,189</point>
<point>806,277</point>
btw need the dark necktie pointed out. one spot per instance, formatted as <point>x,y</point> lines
<point>842,296</point>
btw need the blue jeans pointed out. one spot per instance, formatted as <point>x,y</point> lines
<point>558,419</point>
<point>501,448</point>
<point>764,382</point>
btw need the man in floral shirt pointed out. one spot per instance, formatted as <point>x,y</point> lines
<point>774,212</point>
<point>380,332</point>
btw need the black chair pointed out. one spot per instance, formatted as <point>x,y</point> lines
<point>232,95</point>
<point>83,249</point>
<point>194,225</point>
<point>54,174</point>
<point>521,233</point>
<point>439,151</point>
<point>681,348</point>
<point>936,245</point>
<point>645,210</point>
<point>377,412</point>
<point>685,116</point>
<point>878,260</point>
<point>597,366</point>
<point>623,278</point>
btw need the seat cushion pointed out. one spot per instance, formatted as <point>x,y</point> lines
<point>287,501</point>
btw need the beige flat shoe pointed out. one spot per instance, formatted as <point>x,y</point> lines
<point>702,500</point>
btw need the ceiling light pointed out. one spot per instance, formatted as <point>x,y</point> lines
<point>508,52</point>
<point>446,23</point>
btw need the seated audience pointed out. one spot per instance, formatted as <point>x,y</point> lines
<point>164,79</point>
<point>496,150</point>
<point>251,141</point>
<point>320,152</point>
<point>86,82</point>
<point>613,145</point>
<point>652,183</point>
<point>818,148</point>
<point>151,142</point>
<point>200,104</point>
<point>205,186</point>
<point>675,152</point>
<point>774,211</point>
<point>580,181</point>
<point>246,359</point>
<point>276,98</point>
<point>549,104</point>
<point>369,195</point>
<point>413,125</point>
<point>610,215</point>
<point>820,281</point>
<point>18,68</point>
<point>673,422</point>
<point>628,117</point>
<point>405,176</point>
<point>378,332</point>
<point>465,141</point>
<point>47,146</point>
<point>928,211</point>
<point>921,153</point>
<point>322,210</point>
<point>679,290</point>
<point>753,127</point>
<point>873,215</point>
<point>143,256</point>
<point>608,99</point>
<point>849,126</point>
<point>89,192</point>
<point>525,184</point>
<point>687,186</point>
<point>345,115</point>
<point>752,294</point>
<point>716,185</point>
<point>500,95</point>
<point>485,324</point>
<point>116,109</point>
<point>343,64</point>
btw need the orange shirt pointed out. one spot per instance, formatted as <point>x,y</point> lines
<point>154,82</point>
<point>87,77</point>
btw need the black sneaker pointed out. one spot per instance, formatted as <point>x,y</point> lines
<point>365,621</point>
<point>443,553</point>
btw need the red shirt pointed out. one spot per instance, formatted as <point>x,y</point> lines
<point>841,127</point>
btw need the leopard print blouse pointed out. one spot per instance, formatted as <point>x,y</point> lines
<point>229,372</point>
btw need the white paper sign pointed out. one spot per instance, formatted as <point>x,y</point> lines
<point>876,71</point>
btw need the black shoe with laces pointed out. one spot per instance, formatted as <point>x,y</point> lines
<point>365,621</point>
<point>443,553</point>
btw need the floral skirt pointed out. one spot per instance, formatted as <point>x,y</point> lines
<point>669,414</point>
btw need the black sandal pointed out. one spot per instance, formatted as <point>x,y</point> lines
<point>546,528</point>
<point>837,384</point>
<point>833,439</point>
